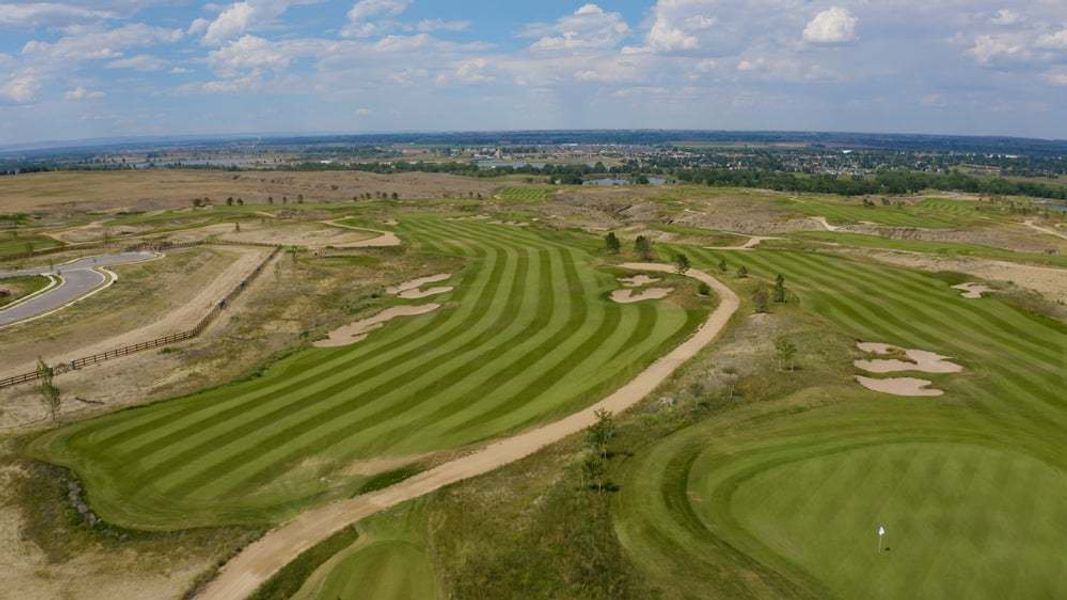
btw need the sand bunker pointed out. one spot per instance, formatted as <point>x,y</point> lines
<point>917,360</point>
<point>637,281</point>
<point>900,386</point>
<point>629,296</point>
<point>411,290</point>
<point>357,331</point>
<point>972,290</point>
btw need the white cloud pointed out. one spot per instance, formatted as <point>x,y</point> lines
<point>1053,41</point>
<point>21,88</point>
<point>1057,77</point>
<point>1006,17</point>
<point>832,26</point>
<point>48,14</point>
<point>590,27</point>
<point>431,25</point>
<point>91,44</point>
<point>80,93</point>
<point>991,49</point>
<point>368,18</point>
<point>242,17</point>
<point>249,53</point>
<point>140,62</point>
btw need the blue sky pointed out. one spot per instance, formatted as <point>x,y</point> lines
<point>73,69</point>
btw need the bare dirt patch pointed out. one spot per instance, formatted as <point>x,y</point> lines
<point>630,296</point>
<point>415,284</point>
<point>358,330</point>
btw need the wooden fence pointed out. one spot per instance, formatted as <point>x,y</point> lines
<point>198,329</point>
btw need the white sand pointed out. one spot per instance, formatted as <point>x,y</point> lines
<point>417,283</point>
<point>358,330</point>
<point>900,386</point>
<point>972,289</point>
<point>637,281</point>
<point>629,296</point>
<point>918,360</point>
<point>419,293</point>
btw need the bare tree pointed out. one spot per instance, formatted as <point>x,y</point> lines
<point>49,392</point>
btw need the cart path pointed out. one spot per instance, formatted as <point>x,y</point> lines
<point>79,279</point>
<point>259,561</point>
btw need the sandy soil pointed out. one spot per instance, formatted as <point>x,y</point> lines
<point>1050,282</point>
<point>826,224</point>
<point>637,281</point>
<point>304,234</point>
<point>415,284</point>
<point>383,239</point>
<point>261,559</point>
<point>630,296</point>
<point>900,386</point>
<point>183,317</point>
<point>973,290</point>
<point>373,466</point>
<point>357,331</point>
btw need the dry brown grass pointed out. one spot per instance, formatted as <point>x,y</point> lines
<point>159,189</point>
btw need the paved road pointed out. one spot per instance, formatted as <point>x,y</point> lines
<point>80,278</point>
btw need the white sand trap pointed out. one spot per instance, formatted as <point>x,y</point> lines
<point>358,330</point>
<point>420,293</point>
<point>917,360</point>
<point>826,224</point>
<point>900,386</point>
<point>750,244</point>
<point>417,283</point>
<point>973,290</point>
<point>629,296</point>
<point>637,281</point>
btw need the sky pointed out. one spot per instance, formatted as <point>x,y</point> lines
<point>78,69</point>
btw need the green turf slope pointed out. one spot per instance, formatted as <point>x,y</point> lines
<point>784,500</point>
<point>528,334</point>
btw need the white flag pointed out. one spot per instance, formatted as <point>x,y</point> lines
<point>881,531</point>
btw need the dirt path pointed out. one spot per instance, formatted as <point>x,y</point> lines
<point>826,224</point>
<point>263,558</point>
<point>753,242</point>
<point>1047,230</point>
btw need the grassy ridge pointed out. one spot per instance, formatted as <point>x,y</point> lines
<point>526,335</point>
<point>11,245</point>
<point>929,213</point>
<point>784,501</point>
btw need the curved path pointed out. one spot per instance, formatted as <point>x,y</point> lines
<point>79,279</point>
<point>254,565</point>
<point>750,244</point>
<point>1047,230</point>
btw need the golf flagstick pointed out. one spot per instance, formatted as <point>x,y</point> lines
<point>881,534</point>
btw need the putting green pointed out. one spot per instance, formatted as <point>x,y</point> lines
<point>527,335</point>
<point>783,500</point>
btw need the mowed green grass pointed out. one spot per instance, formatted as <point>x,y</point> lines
<point>927,213</point>
<point>13,245</point>
<point>528,193</point>
<point>528,334</point>
<point>389,561</point>
<point>783,500</point>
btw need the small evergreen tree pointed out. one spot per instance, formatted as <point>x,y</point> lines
<point>786,352</point>
<point>612,243</point>
<point>742,272</point>
<point>681,261</point>
<point>760,298</point>
<point>723,267</point>
<point>779,289</point>
<point>643,247</point>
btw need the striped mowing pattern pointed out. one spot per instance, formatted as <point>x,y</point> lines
<point>779,501</point>
<point>527,334</point>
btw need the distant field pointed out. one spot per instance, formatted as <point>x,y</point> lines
<point>527,334</point>
<point>12,245</point>
<point>527,193</point>
<point>928,213</point>
<point>785,502</point>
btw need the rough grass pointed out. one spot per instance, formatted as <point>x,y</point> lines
<point>784,500</point>
<point>11,245</point>
<point>528,193</point>
<point>929,213</point>
<point>20,287</point>
<point>527,335</point>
